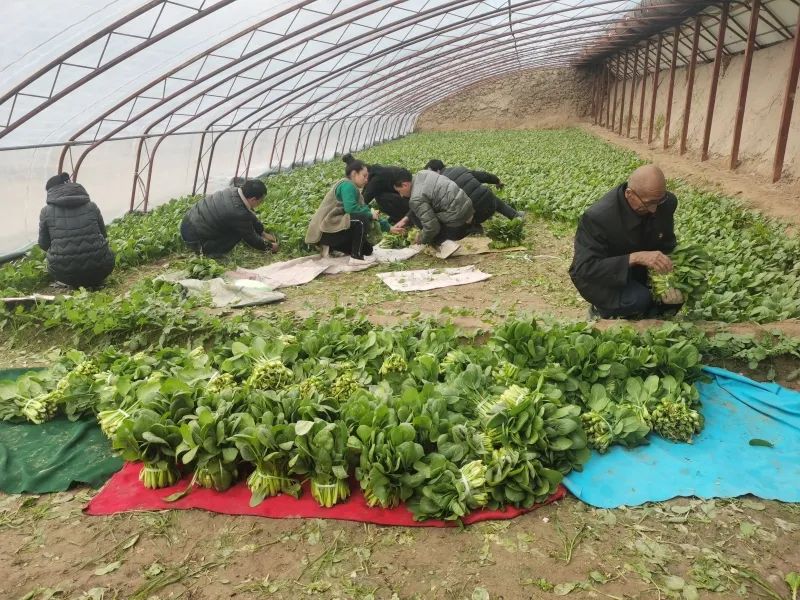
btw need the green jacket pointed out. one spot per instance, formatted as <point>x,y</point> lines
<point>333,214</point>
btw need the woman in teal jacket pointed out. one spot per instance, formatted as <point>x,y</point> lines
<point>342,222</point>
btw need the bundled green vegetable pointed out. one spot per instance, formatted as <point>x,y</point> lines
<point>270,374</point>
<point>268,447</point>
<point>517,478</point>
<point>321,453</point>
<point>152,438</point>
<point>387,471</point>
<point>448,492</point>
<point>690,274</point>
<point>209,444</point>
<point>505,233</point>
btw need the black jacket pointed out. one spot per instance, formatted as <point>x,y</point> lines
<point>223,215</point>
<point>380,187</point>
<point>607,233</point>
<point>72,231</point>
<point>483,199</point>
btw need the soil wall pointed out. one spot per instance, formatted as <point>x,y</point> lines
<point>524,100</point>
<point>762,112</point>
<point>555,98</point>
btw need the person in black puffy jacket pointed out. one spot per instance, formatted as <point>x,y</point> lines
<point>72,232</point>
<point>221,220</point>
<point>380,188</point>
<point>484,201</point>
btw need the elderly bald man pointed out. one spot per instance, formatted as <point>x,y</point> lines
<point>628,231</point>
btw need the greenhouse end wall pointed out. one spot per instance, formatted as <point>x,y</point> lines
<point>525,100</point>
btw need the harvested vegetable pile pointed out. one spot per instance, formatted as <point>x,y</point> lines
<point>396,240</point>
<point>505,233</point>
<point>412,413</point>
<point>200,267</point>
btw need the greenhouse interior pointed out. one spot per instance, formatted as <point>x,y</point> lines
<point>299,299</point>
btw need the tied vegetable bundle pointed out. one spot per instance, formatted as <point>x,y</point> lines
<point>505,233</point>
<point>689,275</point>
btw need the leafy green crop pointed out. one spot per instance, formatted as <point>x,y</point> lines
<point>415,414</point>
<point>691,265</point>
<point>505,233</point>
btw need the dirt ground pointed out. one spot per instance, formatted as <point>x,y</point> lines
<point>679,549</point>
<point>686,548</point>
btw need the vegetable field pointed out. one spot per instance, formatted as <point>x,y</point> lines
<point>475,403</point>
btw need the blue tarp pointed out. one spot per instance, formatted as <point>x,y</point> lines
<point>720,463</point>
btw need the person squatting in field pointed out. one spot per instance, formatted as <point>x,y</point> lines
<point>628,231</point>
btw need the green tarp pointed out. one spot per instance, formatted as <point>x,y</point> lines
<point>53,456</point>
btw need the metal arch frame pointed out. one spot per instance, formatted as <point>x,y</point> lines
<point>465,51</point>
<point>468,50</point>
<point>774,25</point>
<point>549,24</point>
<point>163,79</point>
<point>399,26</point>
<point>229,78</point>
<point>401,45</point>
<point>108,31</point>
<point>595,24</point>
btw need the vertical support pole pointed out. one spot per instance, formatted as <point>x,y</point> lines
<point>601,98</point>
<point>385,127</point>
<point>755,9</point>
<point>656,72</point>
<point>667,120</point>
<point>644,89</point>
<point>608,96</point>
<point>687,109</point>
<point>712,95</point>
<point>598,97</point>
<point>633,89</point>
<point>297,144</point>
<point>624,85</point>
<point>788,105</point>
<point>322,134</point>
<point>614,103</point>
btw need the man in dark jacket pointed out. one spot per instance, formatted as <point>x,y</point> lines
<point>218,222</point>
<point>72,232</point>
<point>484,201</point>
<point>621,236</point>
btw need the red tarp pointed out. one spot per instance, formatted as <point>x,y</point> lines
<point>124,492</point>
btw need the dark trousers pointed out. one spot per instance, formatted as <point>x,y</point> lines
<point>509,212</point>
<point>214,248</point>
<point>636,300</point>
<point>86,279</point>
<point>490,205</point>
<point>393,205</point>
<point>446,232</point>
<point>353,240</point>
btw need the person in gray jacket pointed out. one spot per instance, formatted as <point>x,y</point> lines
<point>72,232</point>
<point>221,220</point>
<point>437,206</point>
